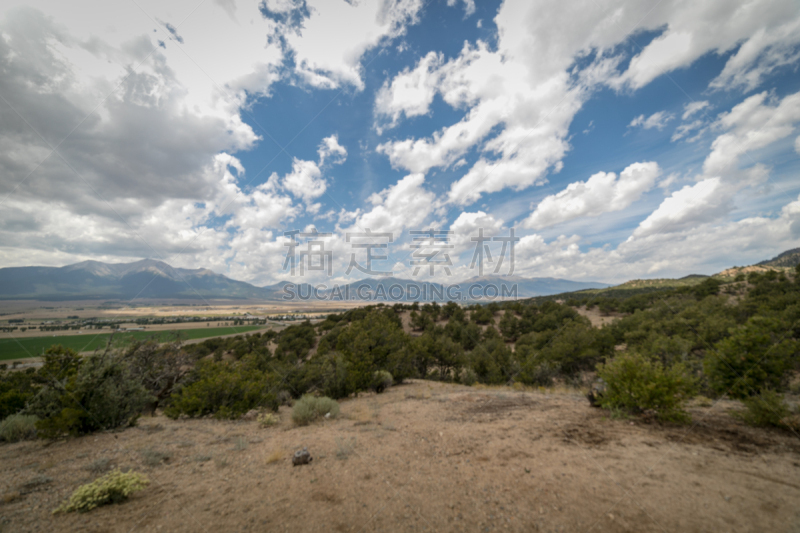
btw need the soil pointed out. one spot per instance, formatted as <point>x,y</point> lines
<point>597,318</point>
<point>423,456</point>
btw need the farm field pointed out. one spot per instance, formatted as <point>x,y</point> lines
<point>20,348</point>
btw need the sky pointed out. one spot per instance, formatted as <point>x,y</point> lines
<point>600,140</point>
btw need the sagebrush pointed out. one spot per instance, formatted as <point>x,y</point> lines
<point>114,487</point>
<point>310,408</point>
<point>18,427</point>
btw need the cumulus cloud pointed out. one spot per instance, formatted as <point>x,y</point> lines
<point>601,193</point>
<point>765,31</point>
<point>520,97</point>
<point>329,43</point>
<point>703,249</point>
<point>306,180</point>
<point>331,152</point>
<point>688,207</point>
<point>468,225</point>
<point>406,204</point>
<point>753,124</point>
<point>764,52</point>
<point>411,92</point>
<point>656,120</point>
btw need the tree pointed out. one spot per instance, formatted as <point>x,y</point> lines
<point>754,359</point>
<point>159,368</point>
<point>482,315</point>
<point>368,345</point>
<point>509,326</point>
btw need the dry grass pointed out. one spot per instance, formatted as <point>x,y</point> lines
<point>275,456</point>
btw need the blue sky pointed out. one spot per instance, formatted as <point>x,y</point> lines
<point>619,140</point>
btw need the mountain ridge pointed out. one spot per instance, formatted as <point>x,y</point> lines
<point>149,278</point>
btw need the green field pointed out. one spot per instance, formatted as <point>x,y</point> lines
<point>35,346</point>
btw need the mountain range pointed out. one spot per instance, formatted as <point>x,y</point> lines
<point>151,279</point>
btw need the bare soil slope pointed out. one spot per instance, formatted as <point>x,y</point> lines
<point>422,457</point>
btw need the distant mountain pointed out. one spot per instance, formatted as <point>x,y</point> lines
<point>479,288</point>
<point>789,258</point>
<point>155,279</point>
<point>141,279</point>
<point>529,287</point>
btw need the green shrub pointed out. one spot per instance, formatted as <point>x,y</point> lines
<point>266,420</point>
<point>766,409</point>
<point>16,388</point>
<point>99,394</point>
<point>18,427</point>
<point>753,359</point>
<point>467,376</point>
<point>637,384</point>
<point>226,390</point>
<point>310,408</point>
<point>113,487</point>
<point>381,380</point>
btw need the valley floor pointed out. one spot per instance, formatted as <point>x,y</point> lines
<point>423,456</point>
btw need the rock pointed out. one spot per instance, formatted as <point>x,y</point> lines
<point>596,392</point>
<point>301,457</point>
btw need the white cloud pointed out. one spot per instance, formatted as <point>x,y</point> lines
<point>305,180</point>
<point>329,45</point>
<point>685,129</point>
<point>751,125</point>
<point>467,226</point>
<point>469,6</point>
<point>656,120</point>
<point>687,37</point>
<point>411,92</point>
<point>765,51</point>
<point>523,93</point>
<point>703,249</point>
<point>693,107</point>
<point>688,207</point>
<point>797,145</point>
<point>406,204</point>
<point>601,193</point>
<point>331,152</point>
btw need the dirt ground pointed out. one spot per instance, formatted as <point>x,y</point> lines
<point>423,456</point>
<point>597,318</point>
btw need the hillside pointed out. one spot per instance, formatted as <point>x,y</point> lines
<point>486,426</point>
<point>789,258</point>
<point>421,455</point>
